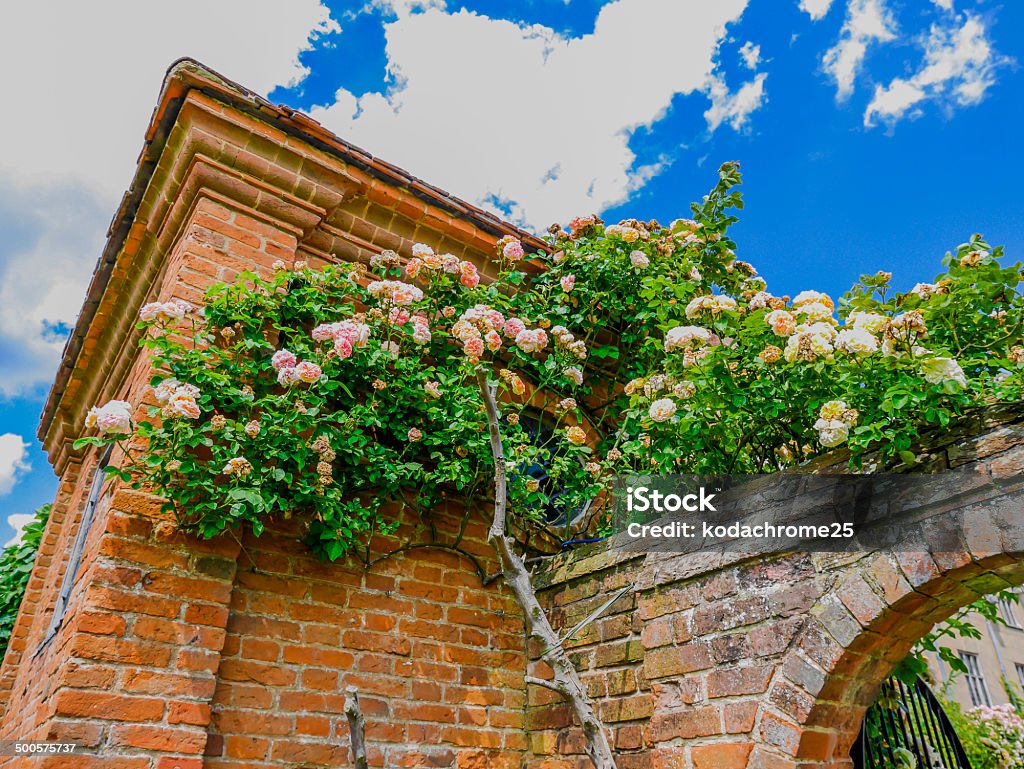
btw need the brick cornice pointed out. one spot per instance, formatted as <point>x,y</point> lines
<point>211,137</point>
<point>192,171</point>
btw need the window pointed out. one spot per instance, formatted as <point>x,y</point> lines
<point>975,680</point>
<point>1008,608</point>
<point>559,512</point>
<point>1020,673</point>
<point>68,583</point>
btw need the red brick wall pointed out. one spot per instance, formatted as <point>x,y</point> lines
<point>435,655</point>
<point>713,662</point>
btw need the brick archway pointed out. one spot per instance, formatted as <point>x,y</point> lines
<point>919,590</point>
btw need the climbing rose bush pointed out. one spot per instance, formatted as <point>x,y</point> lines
<point>993,737</point>
<point>334,392</point>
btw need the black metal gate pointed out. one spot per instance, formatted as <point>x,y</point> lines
<point>906,728</point>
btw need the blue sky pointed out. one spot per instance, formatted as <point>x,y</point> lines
<point>872,133</point>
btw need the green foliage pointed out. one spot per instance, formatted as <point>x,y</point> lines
<point>16,563</point>
<point>650,347</point>
<point>993,737</point>
<point>958,626</point>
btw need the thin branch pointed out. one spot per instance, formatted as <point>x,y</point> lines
<point>357,728</point>
<point>252,561</point>
<point>595,614</point>
<point>546,684</point>
<point>566,678</point>
<point>480,570</point>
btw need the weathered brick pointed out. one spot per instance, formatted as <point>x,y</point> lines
<point>676,660</point>
<point>104,705</point>
<point>780,732</point>
<point>158,738</point>
<point>739,716</point>
<point>752,679</point>
<point>700,721</point>
<point>722,755</point>
<point>857,595</point>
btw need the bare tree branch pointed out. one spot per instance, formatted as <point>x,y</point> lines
<point>596,613</point>
<point>357,728</point>
<point>542,682</point>
<point>566,680</point>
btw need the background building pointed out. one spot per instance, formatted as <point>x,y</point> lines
<point>994,662</point>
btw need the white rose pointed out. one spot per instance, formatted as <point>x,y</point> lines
<point>686,336</point>
<point>858,341</point>
<point>639,259</point>
<point>662,410</point>
<point>832,432</point>
<point>940,370</point>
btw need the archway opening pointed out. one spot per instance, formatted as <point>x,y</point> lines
<point>926,589</point>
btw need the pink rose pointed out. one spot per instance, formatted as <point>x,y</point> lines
<point>174,310</point>
<point>639,259</point>
<point>114,417</point>
<point>182,406</point>
<point>568,282</point>
<point>493,340</point>
<point>412,267</point>
<point>308,372</point>
<point>323,332</point>
<point>495,319</point>
<point>415,435</point>
<point>421,331</point>
<point>531,340</point>
<point>470,281</point>
<point>283,359</point>
<point>150,312</point>
<point>356,333</point>
<point>177,308</point>
<point>513,327</point>
<point>474,348</point>
<point>343,348</point>
<point>287,376</point>
<point>513,250</point>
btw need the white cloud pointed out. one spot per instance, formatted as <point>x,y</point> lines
<point>751,55</point>
<point>402,7</point>
<point>85,76</point>
<point>734,108</point>
<point>52,237</point>
<point>816,9</point>
<point>81,80</point>
<point>526,119</point>
<point>18,522</point>
<point>867,22</point>
<point>946,5</point>
<point>958,68</point>
<point>13,452</point>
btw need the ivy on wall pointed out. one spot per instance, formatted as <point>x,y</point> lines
<point>16,563</point>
